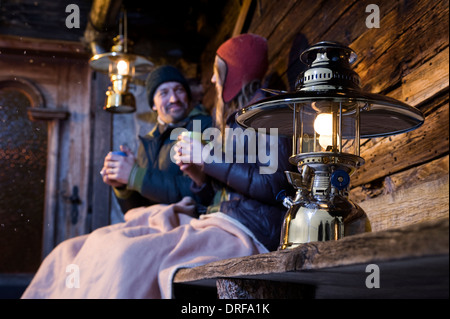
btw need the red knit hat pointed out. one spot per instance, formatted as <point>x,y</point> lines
<point>246,58</point>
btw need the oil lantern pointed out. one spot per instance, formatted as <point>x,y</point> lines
<point>326,116</point>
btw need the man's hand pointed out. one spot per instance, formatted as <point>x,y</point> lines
<point>117,168</point>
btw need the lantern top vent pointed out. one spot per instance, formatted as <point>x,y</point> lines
<point>329,67</point>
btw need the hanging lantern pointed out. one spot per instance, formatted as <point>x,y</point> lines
<point>326,116</point>
<point>121,68</point>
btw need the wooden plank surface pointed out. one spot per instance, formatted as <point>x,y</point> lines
<point>304,17</point>
<point>333,263</point>
<point>411,278</point>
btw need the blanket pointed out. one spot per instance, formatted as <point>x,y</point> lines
<point>139,257</point>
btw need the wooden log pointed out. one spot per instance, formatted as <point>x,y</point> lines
<point>423,202</point>
<point>390,55</point>
<point>268,15</point>
<point>381,51</point>
<point>303,17</point>
<point>416,195</point>
<point>231,11</point>
<point>351,24</point>
<point>421,174</point>
<point>399,152</point>
<point>425,81</point>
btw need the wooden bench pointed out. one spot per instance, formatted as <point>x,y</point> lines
<point>410,262</point>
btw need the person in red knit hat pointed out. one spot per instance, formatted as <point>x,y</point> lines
<point>239,188</point>
<point>239,68</point>
<point>245,59</point>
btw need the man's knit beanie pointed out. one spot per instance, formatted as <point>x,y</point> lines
<point>246,58</point>
<point>162,74</point>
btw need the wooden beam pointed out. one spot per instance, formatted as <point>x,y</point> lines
<point>231,11</point>
<point>103,15</point>
<point>242,17</point>
<point>395,203</point>
<point>46,114</point>
<point>41,47</point>
<point>402,45</point>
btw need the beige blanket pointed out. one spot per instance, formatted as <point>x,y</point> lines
<point>138,258</point>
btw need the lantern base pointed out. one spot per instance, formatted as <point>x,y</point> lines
<point>119,102</point>
<point>322,221</point>
<point>321,210</point>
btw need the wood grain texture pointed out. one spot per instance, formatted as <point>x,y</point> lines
<point>416,195</point>
<point>414,241</point>
<point>396,153</point>
<point>261,289</point>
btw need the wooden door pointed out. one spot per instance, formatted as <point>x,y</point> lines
<point>65,111</point>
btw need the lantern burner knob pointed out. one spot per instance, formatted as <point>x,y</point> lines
<point>340,179</point>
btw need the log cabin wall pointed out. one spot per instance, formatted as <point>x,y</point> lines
<point>406,58</point>
<point>406,177</point>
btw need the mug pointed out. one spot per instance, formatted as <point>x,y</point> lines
<point>119,153</point>
<point>195,135</point>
